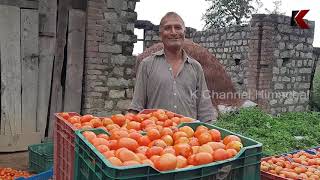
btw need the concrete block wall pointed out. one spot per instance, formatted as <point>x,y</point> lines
<point>230,46</point>
<point>108,83</point>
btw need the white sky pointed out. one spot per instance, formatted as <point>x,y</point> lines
<point>191,11</point>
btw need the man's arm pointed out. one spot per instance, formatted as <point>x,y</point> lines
<point>205,109</point>
<point>140,90</point>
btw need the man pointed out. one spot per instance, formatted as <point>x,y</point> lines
<point>169,79</point>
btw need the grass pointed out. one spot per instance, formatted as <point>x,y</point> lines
<point>280,134</point>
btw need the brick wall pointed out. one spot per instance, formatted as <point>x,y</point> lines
<point>108,84</point>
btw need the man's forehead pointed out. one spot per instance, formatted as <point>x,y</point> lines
<point>172,20</point>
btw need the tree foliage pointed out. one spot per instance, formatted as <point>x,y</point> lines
<point>223,13</point>
<point>277,5</point>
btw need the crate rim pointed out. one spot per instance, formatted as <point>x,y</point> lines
<point>292,152</point>
<point>41,144</point>
<point>82,138</point>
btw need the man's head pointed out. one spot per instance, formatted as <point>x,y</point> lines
<point>172,31</point>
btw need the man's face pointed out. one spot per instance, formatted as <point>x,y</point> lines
<point>172,33</point>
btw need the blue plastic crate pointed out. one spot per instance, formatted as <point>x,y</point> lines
<point>42,176</point>
<point>310,150</point>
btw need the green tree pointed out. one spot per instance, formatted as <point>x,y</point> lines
<point>277,5</point>
<point>223,13</point>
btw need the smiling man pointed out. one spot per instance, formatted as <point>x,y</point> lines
<point>170,79</point>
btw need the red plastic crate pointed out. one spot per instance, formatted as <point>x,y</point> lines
<point>64,144</point>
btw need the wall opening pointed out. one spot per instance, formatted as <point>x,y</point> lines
<point>285,61</point>
<point>138,46</point>
<point>237,61</point>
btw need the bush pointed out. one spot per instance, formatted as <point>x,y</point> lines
<point>284,133</point>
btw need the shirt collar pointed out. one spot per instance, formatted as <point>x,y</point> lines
<point>186,58</point>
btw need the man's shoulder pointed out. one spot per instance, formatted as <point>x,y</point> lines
<point>194,63</point>
<point>149,59</point>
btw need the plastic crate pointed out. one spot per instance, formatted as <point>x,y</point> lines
<point>64,143</point>
<point>270,176</point>
<point>47,175</point>
<point>40,157</point>
<point>91,164</point>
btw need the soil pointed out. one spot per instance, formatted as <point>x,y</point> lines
<point>16,160</point>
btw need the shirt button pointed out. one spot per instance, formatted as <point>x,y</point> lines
<point>175,106</point>
<point>174,94</point>
<point>170,69</point>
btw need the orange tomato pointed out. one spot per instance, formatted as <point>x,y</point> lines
<point>203,158</point>
<point>134,125</point>
<point>65,115</point>
<point>220,154</point>
<point>108,154</point>
<point>99,141</point>
<point>183,149</point>
<point>96,122</point>
<point>204,138</point>
<point>142,149</point>
<point>86,118</point>
<point>230,138</point>
<point>154,150</point>
<point>128,143</point>
<point>166,162</point>
<point>168,140</point>
<point>166,131</point>
<point>135,135</point>
<point>178,135</point>
<point>89,135</point>
<point>127,155</point>
<point>181,162</point>
<point>115,161</point>
<point>188,130</point>
<point>102,148</point>
<point>153,134</point>
<point>118,134</point>
<point>118,119</point>
<point>168,149</point>
<point>234,145</point>
<point>215,134</point>
<point>106,121</point>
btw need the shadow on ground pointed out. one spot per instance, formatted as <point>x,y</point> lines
<point>16,160</point>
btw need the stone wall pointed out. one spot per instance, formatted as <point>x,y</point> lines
<point>268,60</point>
<point>288,55</point>
<point>108,84</point>
<point>230,47</point>
<point>316,56</point>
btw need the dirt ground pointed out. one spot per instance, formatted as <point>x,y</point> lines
<point>16,160</point>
